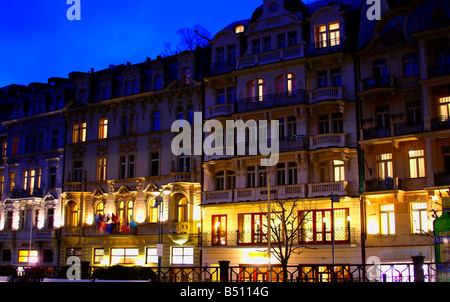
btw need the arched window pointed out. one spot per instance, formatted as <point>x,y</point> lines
<point>251,92</point>
<point>183,213</point>
<point>256,90</point>
<point>72,213</point>
<point>99,208</point>
<point>125,211</point>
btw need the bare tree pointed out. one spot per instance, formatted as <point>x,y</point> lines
<point>286,221</point>
<point>190,38</point>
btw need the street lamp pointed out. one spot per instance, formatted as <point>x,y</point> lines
<point>159,202</point>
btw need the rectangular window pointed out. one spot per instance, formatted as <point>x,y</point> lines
<point>99,254</point>
<point>322,79</point>
<point>410,65</point>
<point>221,96</point>
<point>103,128</point>
<point>292,38</point>
<point>252,228</point>
<point>27,256</point>
<point>444,108</point>
<point>15,146</point>
<point>338,170</point>
<point>324,124</point>
<point>156,121</point>
<point>416,163</point>
<point>251,175</point>
<point>219,230</point>
<point>124,255</point>
<point>12,181</point>
<point>419,217</point>
<point>336,77</point>
<point>101,169</point>
<point>281,41</point>
<point>231,95</point>
<point>256,46</point>
<point>77,171</point>
<point>55,139</point>
<point>387,218</point>
<point>151,255</point>
<point>413,113</point>
<point>384,166</point>
<point>292,173</point>
<point>184,164</point>
<point>154,164</point>
<point>281,174</point>
<point>52,177</point>
<point>267,44</point>
<point>316,226</point>
<point>182,255</point>
<point>262,176</point>
<point>126,166</point>
<point>83,130</point>
<point>338,122</point>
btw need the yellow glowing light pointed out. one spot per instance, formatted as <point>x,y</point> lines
<point>372,226</point>
<point>90,220</point>
<point>140,217</point>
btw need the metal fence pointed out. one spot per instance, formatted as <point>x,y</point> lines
<point>393,272</point>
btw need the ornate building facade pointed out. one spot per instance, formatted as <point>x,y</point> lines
<point>87,167</point>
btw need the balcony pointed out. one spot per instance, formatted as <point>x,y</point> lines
<point>438,71</point>
<point>270,101</point>
<point>382,82</point>
<point>181,176</point>
<point>218,196</point>
<point>408,128</point>
<point>374,185</point>
<point>372,133</point>
<point>328,140</point>
<point>72,187</point>
<point>440,123</point>
<point>342,235</point>
<point>223,67</point>
<point>220,109</point>
<point>441,179</point>
<point>26,193</point>
<point>326,47</point>
<point>292,143</point>
<point>271,56</point>
<point>326,93</point>
<point>328,188</point>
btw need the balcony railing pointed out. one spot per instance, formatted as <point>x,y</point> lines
<point>441,179</point>
<point>390,183</point>
<point>342,235</point>
<point>223,67</point>
<point>272,56</point>
<point>327,188</point>
<point>438,70</point>
<point>372,133</point>
<point>387,81</point>
<point>23,193</point>
<point>440,123</point>
<point>221,109</point>
<point>326,46</point>
<point>328,140</point>
<point>269,101</point>
<point>326,93</point>
<point>408,128</point>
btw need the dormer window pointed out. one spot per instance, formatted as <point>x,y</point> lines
<point>327,35</point>
<point>273,7</point>
<point>239,29</point>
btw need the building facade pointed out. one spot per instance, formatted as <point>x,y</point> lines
<point>32,164</point>
<point>358,109</point>
<point>289,63</point>
<point>403,94</point>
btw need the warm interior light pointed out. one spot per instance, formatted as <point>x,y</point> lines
<point>372,226</point>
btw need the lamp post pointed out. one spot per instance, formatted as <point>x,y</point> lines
<point>269,239</point>
<point>159,203</point>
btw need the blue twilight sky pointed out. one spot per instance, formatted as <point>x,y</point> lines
<point>37,41</point>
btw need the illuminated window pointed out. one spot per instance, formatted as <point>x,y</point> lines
<point>316,226</point>
<point>327,35</point>
<point>444,108</point>
<point>261,89</point>
<point>75,133</point>
<point>183,210</point>
<point>83,132</point>
<point>339,170</point>
<point>152,214</point>
<point>99,254</point>
<point>124,255</point>
<point>219,230</point>
<point>12,181</point>
<point>239,29</point>
<point>27,256</point>
<point>186,73</point>
<point>72,214</point>
<point>252,228</point>
<point>416,163</point>
<point>182,255</point>
<point>384,166</point>
<point>103,128</point>
<point>101,169</point>
<point>125,211</point>
<point>387,218</point>
<point>99,208</point>
<point>151,255</point>
<point>419,217</point>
